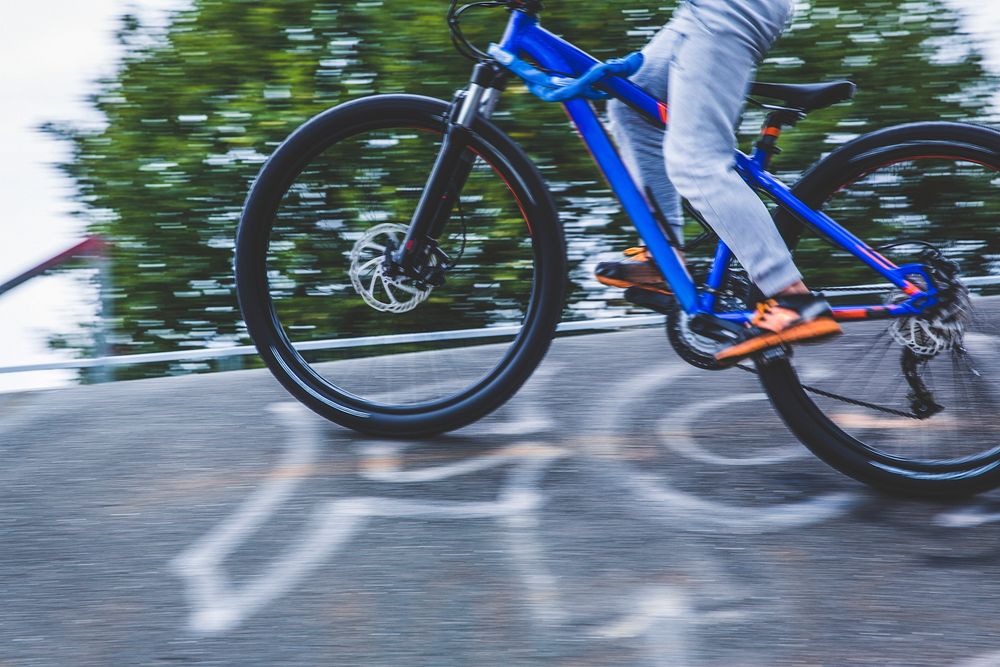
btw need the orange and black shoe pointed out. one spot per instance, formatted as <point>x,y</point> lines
<point>638,270</point>
<point>784,319</point>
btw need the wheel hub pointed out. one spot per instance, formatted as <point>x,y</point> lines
<point>942,327</point>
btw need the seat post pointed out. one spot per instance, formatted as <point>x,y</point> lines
<point>766,146</point>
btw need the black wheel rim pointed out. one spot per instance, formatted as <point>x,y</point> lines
<point>945,197</point>
<point>493,174</point>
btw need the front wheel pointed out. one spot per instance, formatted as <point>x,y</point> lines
<point>341,329</point>
<point>910,406</point>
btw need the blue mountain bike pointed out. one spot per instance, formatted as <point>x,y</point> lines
<point>401,266</point>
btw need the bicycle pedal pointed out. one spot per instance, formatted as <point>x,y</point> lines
<point>661,303</point>
<point>716,328</point>
<point>773,354</point>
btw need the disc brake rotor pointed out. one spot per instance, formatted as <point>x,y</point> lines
<point>942,330</point>
<point>385,293</point>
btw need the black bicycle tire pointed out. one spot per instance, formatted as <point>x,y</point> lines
<point>802,416</point>
<point>544,310</point>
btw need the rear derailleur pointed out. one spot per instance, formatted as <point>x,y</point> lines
<point>939,329</point>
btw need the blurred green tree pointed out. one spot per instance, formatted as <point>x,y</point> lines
<point>196,108</point>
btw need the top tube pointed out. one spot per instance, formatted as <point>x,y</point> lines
<point>524,35</point>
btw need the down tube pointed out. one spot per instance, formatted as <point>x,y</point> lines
<point>593,134</point>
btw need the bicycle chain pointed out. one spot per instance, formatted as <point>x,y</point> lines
<point>838,397</point>
<point>844,399</point>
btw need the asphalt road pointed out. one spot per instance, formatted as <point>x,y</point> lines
<point>614,513</point>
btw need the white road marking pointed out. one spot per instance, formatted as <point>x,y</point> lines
<point>700,514</point>
<point>706,515</point>
<point>652,606</point>
<point>218,607</point>
<point>527,552</point>
<point>530,419</point>
<point>815,372</point>
<point>966,517</point>
<point>675,432</point>
<point>984,660</point>
<point>662,618</point>
<point>381,461</point>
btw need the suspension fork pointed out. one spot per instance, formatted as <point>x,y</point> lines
<point>451,168</point>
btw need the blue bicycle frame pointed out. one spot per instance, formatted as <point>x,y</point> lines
<point>525,37</point>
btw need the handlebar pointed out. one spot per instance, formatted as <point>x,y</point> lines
<point>559,88</point>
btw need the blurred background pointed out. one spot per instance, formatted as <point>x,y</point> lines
<point>143,123</point>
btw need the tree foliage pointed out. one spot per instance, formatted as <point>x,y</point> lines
<point>195,109</point>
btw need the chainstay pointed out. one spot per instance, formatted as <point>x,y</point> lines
<point>844,399</point>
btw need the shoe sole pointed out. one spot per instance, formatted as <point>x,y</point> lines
<point>813,331</point>
<point>624,284</point>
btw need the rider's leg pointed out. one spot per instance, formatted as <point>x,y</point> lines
<point>639,141</point>
<point>708,53</point>
<point>641,146</point>
<point>709,74</point>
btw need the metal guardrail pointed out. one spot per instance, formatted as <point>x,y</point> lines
<point>363,341</point>
<point>201,354</point>
<point>90,246</point>
<point>876,288</point>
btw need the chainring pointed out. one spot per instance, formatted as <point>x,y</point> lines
<point>697,350</point>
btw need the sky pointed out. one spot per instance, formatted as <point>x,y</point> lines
<point>52,51</point>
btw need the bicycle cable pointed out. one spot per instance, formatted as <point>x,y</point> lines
<point>461,216</point>
<point>469,50</point>
<point>458,38</point>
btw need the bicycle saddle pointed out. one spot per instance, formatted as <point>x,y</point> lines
<point>805,96</point>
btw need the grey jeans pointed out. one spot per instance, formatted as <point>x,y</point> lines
<point>706,56</point>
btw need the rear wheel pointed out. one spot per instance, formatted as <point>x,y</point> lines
<point>335,322</point>
<point>908,405</point>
